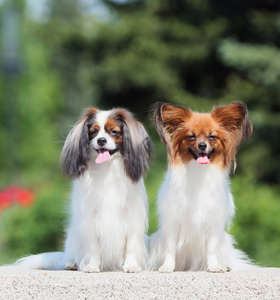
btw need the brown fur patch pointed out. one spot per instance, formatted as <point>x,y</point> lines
<point>114,124</point>
<point>93,130</point>
<point>235,125</point>
<point>168,119</point>
<point>89,112</point>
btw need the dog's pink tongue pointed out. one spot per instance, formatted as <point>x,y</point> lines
<point>102,156</point>
<point>203,160</point>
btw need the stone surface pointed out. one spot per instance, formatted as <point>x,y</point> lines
<point>263,283</point>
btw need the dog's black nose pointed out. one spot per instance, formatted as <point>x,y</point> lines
<point>202,146</point>
<point>101,141</point>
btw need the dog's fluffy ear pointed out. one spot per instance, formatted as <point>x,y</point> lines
<point>234,119</point>
<point>137,146</point>
<point>168,118</point>
<point>75,154</point>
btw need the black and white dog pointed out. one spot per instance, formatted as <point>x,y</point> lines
<point>107,153</point>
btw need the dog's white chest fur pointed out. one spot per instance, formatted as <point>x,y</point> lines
<point>194,205</point>
<point>106,209</point>
<point>194,192</point>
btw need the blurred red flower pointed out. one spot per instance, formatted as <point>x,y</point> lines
<point>25,198</point>
<point>4,201</point>
<point>15,194</point>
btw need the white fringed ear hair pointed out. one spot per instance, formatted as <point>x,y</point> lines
<point>75,154</point>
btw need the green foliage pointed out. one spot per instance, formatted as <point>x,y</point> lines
<point>260,62</point>
<point>35,101</point>
<point>257,224</point>
<point>256,81</point>
<point>36,228</point>
<point>29,151</point>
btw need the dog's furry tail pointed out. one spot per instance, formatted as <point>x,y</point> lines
<point>235,258</point>
<point>44,261</point>
<point>241,261</point>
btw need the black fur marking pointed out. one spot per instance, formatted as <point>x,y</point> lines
<point>75,157</point>
<point>136,151</point>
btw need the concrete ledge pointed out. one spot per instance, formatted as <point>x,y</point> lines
<point>263,283</point>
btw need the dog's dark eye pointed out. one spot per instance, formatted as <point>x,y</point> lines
<point>191,137</point>
<point>93,132</point>
<point>114,132</point>
<point>212,137</point>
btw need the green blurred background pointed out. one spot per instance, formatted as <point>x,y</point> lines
<point>59,56</point>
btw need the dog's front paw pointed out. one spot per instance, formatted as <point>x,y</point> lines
<point>132,269</point>
<point>71,266</point>
<point>90,268</point>
<point>166,269</point>
<point>219,269</point>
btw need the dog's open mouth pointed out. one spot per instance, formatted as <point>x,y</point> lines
<point>104,155</point>
<point>202,158</point>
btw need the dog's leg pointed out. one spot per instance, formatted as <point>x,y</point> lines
<point>168,265</point>
<point>169,250</point>
<point>91,262</point>
<point>92,266</point>
<point>71,250</point>
<point>81,254</point>
<point>212,261</point>
<point>135,249</point>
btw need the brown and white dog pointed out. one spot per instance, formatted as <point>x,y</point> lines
<point>195,203</point>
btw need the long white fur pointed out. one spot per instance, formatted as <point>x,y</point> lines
<point>108,220</point>
<point>195,206</point>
